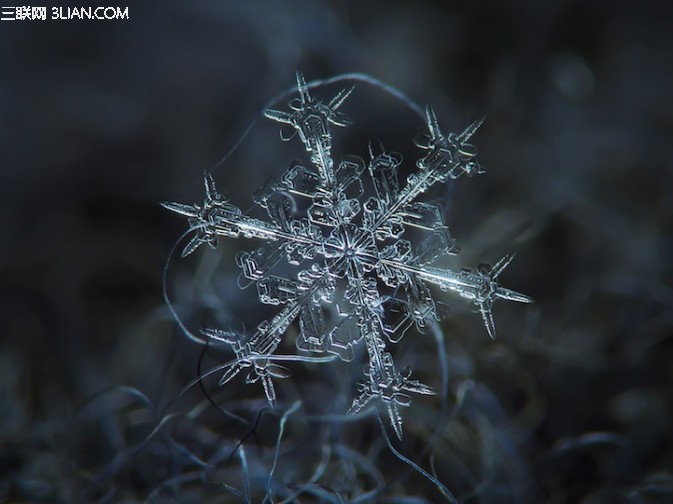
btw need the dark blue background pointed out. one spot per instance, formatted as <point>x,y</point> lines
<point>102,120</point>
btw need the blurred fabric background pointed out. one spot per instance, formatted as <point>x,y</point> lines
<point>103,120</point>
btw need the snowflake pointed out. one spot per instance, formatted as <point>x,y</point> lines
<point>351,254</point>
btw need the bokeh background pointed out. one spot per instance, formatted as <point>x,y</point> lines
<point>103,120</point>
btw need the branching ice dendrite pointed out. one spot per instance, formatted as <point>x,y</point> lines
<point>347,252</point>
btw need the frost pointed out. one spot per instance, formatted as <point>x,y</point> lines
<point>351,254</point>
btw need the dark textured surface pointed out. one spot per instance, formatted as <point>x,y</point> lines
<point>102,120</point>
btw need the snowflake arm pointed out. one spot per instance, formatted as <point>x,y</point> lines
<point>311,119</point>
<point>201,216</point>
<point>384,383</point>
<point>481,286</point>
<point>254,351</point>
<point>448,155</point>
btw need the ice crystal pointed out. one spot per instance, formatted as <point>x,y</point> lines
<point>350,254</point>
